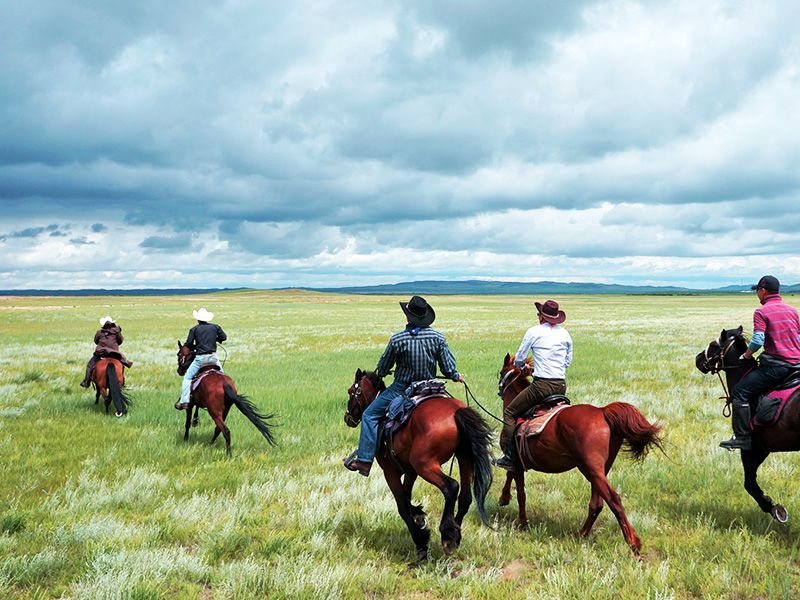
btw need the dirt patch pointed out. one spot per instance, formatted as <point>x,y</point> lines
<point>35,307</point>
<point>515,570</point>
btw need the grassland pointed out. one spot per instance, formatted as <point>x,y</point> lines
<point>97,507</point>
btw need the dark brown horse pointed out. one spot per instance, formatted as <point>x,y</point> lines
<point>723,354</point>
<point>217,393</point>
<point>108,378</point>
<point>438,429</point>
<point>586,437</point>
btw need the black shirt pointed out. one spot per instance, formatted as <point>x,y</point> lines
<point>203,338</point>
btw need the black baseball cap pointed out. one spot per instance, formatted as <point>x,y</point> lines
<point>769,283</point>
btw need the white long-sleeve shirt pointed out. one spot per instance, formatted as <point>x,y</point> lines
<point>551,346</point>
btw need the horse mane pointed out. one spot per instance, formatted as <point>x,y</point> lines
<point>376,381</point>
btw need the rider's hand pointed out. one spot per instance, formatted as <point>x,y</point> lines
<point>460,378</point>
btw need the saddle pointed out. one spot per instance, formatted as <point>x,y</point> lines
<point>417,393</point>
<point>770,406</point>
<point>204,371</point>
<point>536,419</point>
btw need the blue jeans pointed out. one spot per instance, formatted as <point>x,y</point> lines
<point>199,361</point>
<point>375,412</point>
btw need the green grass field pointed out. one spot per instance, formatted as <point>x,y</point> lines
<point>97,507</point>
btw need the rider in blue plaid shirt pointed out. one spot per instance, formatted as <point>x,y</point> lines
<point>415,351</point>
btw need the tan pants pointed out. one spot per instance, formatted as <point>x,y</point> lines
<point>538,390</point>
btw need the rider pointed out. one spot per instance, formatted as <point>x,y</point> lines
<point>551,346</point>
<point>108,339</point>
<point>416,350</point>
<point>202,340</point>
<point>776,327</point>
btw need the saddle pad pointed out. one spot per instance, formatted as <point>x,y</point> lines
<point>396,423</point>
<point>770,407</point>
<point>202,375</point>
<point>533,427</point>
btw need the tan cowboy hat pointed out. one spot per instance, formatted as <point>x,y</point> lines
<point>105,320</point>
<point>550,313</point>
<point>202,315</point>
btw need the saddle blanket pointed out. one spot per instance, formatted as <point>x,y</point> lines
<point>205,372</point>
<point>770,407</point>
<point>410,404</point>
<point>527,428</point>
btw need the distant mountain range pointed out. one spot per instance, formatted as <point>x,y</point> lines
<point>476,287</point>
<point>432,287</point>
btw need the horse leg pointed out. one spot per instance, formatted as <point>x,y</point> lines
<point>217,430</point>
<point>595,507</point>
<point>751,460</point>
<point>505,494</point>
<point>219,421</point>
<point>402,493</point>
<point>417,513</point>
<point>97,395</point>
<point>431,472</point>
<point>188,423</point>
<point>465,497</point>
<point>196,418</point>
<point>519,480</point>
<point>599,483</point>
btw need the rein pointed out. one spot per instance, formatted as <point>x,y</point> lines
<point>482,407</point>
<point>726,410</point>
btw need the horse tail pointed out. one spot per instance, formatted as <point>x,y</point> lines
<point>249,410</point>
<point>475,437</point>
<point>638,433</point>
<point>121,401</point>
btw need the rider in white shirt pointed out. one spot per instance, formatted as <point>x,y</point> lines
<point>551,346</point>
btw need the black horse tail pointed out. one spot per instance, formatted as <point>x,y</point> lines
<point>475,437</point>
<point>121,401</point>
<point>638,433</point>
<point>249,411</point>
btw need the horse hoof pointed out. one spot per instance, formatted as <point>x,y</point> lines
<point>419,521</point>
<point>449,547</point>
<point>119,414</point>
<point>522,525</point>
<point>195,422</point>
<point>504,501</point>
<point>779,513</point>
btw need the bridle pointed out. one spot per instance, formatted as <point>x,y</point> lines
<point>504,381</point>
<point>184,360</point>
<point>355,404</point>
<point>719,367</point>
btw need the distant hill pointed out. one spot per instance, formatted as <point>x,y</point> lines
<point>478,287</point>
<point>105,292</point>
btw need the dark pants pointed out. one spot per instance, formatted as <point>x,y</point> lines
<point>538,390</point>
<point>751,386</point>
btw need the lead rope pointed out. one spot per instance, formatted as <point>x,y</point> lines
<point>726,410</point>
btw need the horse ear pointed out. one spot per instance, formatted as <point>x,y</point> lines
<point>359,374</point>
<point>507,359</point>
<point>179,345</point>
<point>722,335</point>
<point>740,330</point>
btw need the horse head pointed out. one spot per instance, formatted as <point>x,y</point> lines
<point>510,377</point>
<point>723,352</point>
<point>366,386</point>
<point>185,357</point>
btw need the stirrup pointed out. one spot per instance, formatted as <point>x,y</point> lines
<point>504,462</point>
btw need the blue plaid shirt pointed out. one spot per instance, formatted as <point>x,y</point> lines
<point>416,353</point>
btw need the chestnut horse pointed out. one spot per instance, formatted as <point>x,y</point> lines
<point>217,393</point>
<point>438,429</point>
<point>723,354</point>
<point>108,378</point>
<point>586,437</point>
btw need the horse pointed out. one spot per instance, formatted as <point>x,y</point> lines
<point>108,378</point>
<point>582,436</point>
<point>723,354</point>
<point>439,428</point>
<point>217,393</point>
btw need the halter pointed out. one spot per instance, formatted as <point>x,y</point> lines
<point>726,410</point>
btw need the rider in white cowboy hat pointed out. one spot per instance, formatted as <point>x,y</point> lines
<point>107,339</point>
<point>202,340</point>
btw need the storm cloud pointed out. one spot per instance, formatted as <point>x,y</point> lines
<point>315,143</point>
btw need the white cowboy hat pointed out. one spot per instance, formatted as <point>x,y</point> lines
<point>105,320</point>
<point>202,315</point>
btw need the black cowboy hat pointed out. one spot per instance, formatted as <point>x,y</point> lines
<point>550,313</point>
<point>418,312</point>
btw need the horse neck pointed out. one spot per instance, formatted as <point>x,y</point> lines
<point>512,391</point>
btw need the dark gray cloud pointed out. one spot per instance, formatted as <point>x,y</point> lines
<point>280,134</point>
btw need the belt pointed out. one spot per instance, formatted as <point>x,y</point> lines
<point>548,378</point>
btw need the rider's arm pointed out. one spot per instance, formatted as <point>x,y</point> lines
<point>568,358</point>
<point>119,336</point>
<point>221,337</point>
<point>759,333</point>
<point>386,361</point>
<point>447,362</point>
<point>190,339</point>
<point>524,348</point>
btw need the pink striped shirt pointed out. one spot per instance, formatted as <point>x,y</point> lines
<point>781,327</point>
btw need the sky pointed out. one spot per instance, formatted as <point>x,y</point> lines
<point>326,143</point>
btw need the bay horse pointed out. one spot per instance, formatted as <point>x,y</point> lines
<point>108,378</point>
<point>437,429</point>
<point>217,393</point>
<point>723,354</point>
<point>585,437</point>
